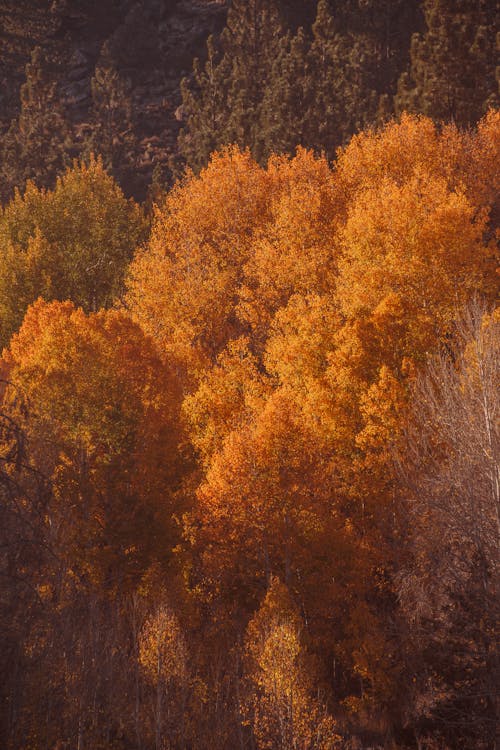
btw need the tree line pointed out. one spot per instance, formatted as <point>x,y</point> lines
<point>281,74</point>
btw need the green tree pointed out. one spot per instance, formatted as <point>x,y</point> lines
<point>70,243</point>
<point>344,99</point>
<point>225,103</point>
<point>37,142</point>
<point>112,135</point>
<point>205,107</point>
<point>285,120</point>
<point>321,90</point>
<point>452,74</point>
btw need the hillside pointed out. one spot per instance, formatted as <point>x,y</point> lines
<point>152,44</point>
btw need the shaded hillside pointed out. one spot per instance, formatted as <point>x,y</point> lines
<point>150,46</point>
<point>153,85</point>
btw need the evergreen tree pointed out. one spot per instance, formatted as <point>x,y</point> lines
<point>252,40</point>
<point>112,135</point>
<point>321,91</point>
<point>298,12</point>
<point>389,25</point>
<point>452,72</point>
<point>288,99</point>
<point>226,104</point>
<point>273,89</point>
<point>37,142</point>
<point>205,107</point>
<point>336,64</point>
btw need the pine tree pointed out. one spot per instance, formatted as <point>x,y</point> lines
<point>112,136</point>
<point>320,92</point>
<point>388,25</point>
<point>205,107</point>
<point>252,40</point>
<point>37,142</point>
<point>226,104</point>
<point>287,101</point>
<point>340,64</point>
<point>298,13</point>
<point>273,89</point>
<point>452,72</point>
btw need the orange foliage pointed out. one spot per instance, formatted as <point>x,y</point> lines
<point>297,251</point>
<point>103,425</point>
<point>353,279</point>
<point>282,315</point>
<point>182,287</point>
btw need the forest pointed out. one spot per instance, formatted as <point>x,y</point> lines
<point>249,375</point>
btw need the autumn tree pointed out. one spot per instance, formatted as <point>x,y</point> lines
<point>363,391</point>
<point>102,428</point>
<point>236,551</point>
<point>298,252</point>
<point>98,416</point>
<point>433,237</point>
<point>163,658</point>
<point>182,286</point>
<point>280,702</point>
<point>73,242</point>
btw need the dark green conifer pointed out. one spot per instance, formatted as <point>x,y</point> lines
<point>205,107</point>
<point>286,110</point>
<point>388,25</point>
<point>112,135</point>
<point>37,143</point>
<point>342,63</point>
<point>298,13</point>
<point>224,102</point>
<point>452,72</point>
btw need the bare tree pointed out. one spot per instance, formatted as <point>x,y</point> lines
<point>449,464</point>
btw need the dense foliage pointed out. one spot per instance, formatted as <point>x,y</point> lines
<point>272,87</point>
<point>250,479</point>
<point>116,78</point>
<point>250,417</point>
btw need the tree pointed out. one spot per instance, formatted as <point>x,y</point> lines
<point>112,134</point>
<point>344,99</point>
<point>182,287</point>
<point>73,242</point>
<point>163,657</point>
<point>450,481</point>
<point>98,388</point>
<point>297,252</point>
<point>204,107</point>
<point>37,144</point>
<point>280,682</point>
<point>102,428</point>
<point>452,73</point>
<point>311,86</point>
<point>401,150</point>
<point>286,106</point>
<point>225,107</point>
<point>412,248</point>
<point>26,556</point>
